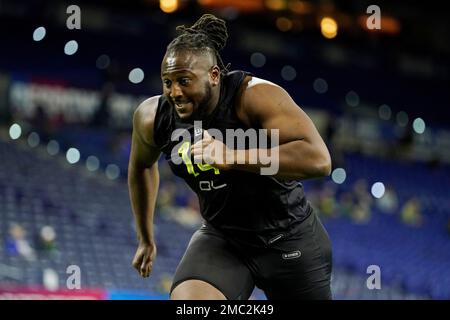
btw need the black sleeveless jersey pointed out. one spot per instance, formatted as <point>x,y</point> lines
<point>243,204</point>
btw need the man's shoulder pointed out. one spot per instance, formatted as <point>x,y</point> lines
<point>260,95</point>
<point>255,82</point>
<point>144,116</point>
<point>254,93</point>
<point>146,110</point>
<point>256,89</point>
<point>149,105</point>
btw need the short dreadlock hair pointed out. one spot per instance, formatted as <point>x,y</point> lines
<point>208,33</point>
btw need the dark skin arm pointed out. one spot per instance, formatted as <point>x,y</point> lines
<point>143,183</point>
<point>302,152</point>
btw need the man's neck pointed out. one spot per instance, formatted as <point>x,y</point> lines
<point>214,100</point>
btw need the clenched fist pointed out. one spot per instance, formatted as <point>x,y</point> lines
<point>213,152</point>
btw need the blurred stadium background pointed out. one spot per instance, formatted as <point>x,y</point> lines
<point>379,97</point>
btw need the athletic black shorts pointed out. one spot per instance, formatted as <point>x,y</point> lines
<point>298,267</point>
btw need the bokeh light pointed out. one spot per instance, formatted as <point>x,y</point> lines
<point>73,155</point>
<point>384,112</point>
<point>92,163</point>
<point>136,75</point>
<point>419,125</point>
<point>352,99</point>
<point>328,27</point>
<point>320,85</point>
<point>378,189</point>
<point>112,171</point>
<point>402,118</point>
<point>53,147</point>
<point>15,131</point>
<point>71,47</point>
<point>288,73</point>
<point>103,62</point>
<point>39,34</point>
<point>33,139</point>
<point>258,60</point>
<point>168,6</point>
<point>339,175</point>
<point>284,24</point>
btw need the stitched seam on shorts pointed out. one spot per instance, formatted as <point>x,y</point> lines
<point>316,242</point>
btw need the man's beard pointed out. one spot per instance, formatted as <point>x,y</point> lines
<point>202,109</point>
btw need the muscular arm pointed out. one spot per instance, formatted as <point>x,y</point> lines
<point>143,176</point>
<point>302,152</point>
